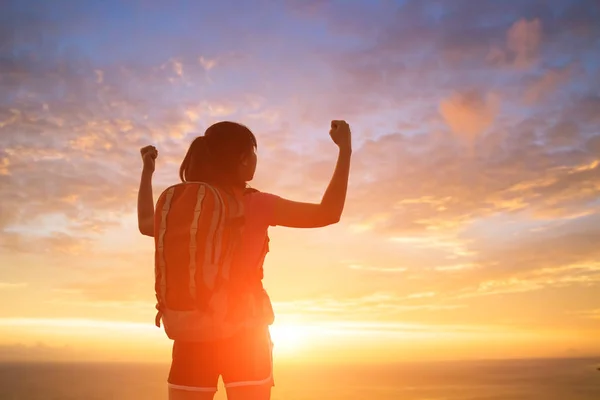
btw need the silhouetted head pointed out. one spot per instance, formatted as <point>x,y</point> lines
<point>224,156</point>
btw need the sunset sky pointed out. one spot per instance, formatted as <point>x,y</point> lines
<point>472,225</point>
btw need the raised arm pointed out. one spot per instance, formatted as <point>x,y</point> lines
<point>329,210</point>
<point>145,205</point>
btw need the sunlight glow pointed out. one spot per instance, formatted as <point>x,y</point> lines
<point>289,338</point>
<point>294,340</point>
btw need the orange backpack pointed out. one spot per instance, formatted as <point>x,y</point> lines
<point>202,293</point>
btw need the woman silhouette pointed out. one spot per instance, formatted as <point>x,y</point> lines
<point>226,157</point>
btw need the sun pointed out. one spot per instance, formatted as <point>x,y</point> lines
<point>289,338</point>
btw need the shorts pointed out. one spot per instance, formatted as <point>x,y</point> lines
<point>245,359</point>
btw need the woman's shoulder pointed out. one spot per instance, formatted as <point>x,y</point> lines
<point>250,190</point>
<point>255,195</point>
<point>261,204</point>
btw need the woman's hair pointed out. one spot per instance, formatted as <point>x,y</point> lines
<point>215,157</point>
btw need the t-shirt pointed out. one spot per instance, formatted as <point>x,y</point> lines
<point>259,215</point>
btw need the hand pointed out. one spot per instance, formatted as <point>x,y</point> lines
<point>149,155</point>
<point>341,135</point>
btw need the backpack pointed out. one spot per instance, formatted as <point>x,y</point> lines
<point>201,291</point>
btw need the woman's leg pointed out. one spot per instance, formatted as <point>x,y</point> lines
<point>178,394</point>
<point>247,368</point>
<point>194,373</point>
<point>257,392</point>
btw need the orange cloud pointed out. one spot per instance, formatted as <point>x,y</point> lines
<point>55,243</point>
<point>591,314</point>
<point>586,274</point>
<point>522,46</point>
<point>372,307</point>
<point>471,113</point>
<point>4,166</point>
<point>13,285</point>
<point>123,287</point>
<point>378,269</point>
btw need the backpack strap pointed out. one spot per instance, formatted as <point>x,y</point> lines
<point>212,245</point>
<point>193,230</point>
<point>160,271</point>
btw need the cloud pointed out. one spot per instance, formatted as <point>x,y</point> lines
<point>584,274</point>
<point>547,84</point>
<point>54,243</point>
<point>76,154</point>
<point>523,41</point>
<point>73,339</point>
<point>402,76</point>
<point>561,257</point>
<point>469,114</point>
<point>421,295</point>
<point>377,269</point>
<point>124,288</point>
<point>376,305</point>
<point>456,267</point>
<point>39,352</point>
<point>516,82</point>
<point>13,285</point>
<point>590,314</point>
<point>563,134</point>
<point>207,63</point>
<point>437,185</point>
<point>570,243</point>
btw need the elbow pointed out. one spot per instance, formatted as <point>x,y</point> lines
<point>146,226</point>
<point>331,219</point>
<point>145,231</point>
<point>329,216</point>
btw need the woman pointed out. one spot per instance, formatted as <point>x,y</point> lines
<point>226,156</point>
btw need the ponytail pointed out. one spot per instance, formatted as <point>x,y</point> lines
<point>196,163</point>
<point>185,165</point>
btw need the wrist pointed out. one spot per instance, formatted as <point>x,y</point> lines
<point>346,149</point>
<point>147,171</point>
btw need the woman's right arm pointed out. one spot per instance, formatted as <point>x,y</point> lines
<point>329,210</point>
<point>145,205</point>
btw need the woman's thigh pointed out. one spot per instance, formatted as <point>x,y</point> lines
<point>258,392</point>
<point>194,372</point>
<point>247,365</point>
<point>178,394</point>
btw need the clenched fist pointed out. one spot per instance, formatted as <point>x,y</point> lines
<point>149,155</point>
<point>341,135</point>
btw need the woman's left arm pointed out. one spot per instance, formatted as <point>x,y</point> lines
<point>145,205</point>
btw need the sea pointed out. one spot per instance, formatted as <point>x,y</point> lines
<point>539,379</point>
